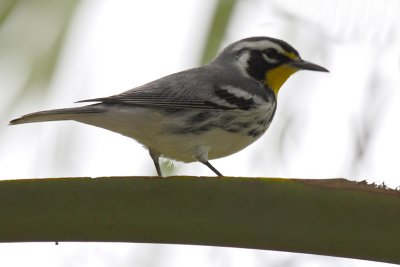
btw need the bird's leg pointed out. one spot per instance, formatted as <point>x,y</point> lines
<point>155,157</point>
<point>208,164</point>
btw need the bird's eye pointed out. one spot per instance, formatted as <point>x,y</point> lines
<point>271,53</point>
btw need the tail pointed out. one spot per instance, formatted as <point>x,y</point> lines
<point>56,114</point>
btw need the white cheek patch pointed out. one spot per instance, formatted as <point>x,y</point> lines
<point>242,62</point>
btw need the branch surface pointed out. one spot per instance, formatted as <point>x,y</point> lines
<point>332,217</point>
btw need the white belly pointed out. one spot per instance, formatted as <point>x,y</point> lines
<point>175,136</point>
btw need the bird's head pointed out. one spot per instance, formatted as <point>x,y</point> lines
<point>266,59</point>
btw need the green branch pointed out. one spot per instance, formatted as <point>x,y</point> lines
<point>217,29</point>
<point>327,217</point>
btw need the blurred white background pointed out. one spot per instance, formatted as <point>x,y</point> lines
<point>341,124</point>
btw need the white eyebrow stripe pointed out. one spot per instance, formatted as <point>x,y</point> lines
<point>259,45</point>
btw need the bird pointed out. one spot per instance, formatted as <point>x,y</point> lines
<point>199,114</point>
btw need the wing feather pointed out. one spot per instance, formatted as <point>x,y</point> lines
<point>187,90</point>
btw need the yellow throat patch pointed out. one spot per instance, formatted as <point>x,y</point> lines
<point>276,77</point>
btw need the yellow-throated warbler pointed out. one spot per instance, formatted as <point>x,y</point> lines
<point>199,114</point>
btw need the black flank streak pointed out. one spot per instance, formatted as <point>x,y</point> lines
<point>254,133</point>
<point>194,130</point>
<point>262,122</point>
<point>202,129</point>
<point>227,118</point>
<point>200,117</point>
<point>243,125</point>
<point>232,130</point>
<point>174,110</point>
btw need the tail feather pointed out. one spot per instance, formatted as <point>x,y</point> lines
<point>55,115</point>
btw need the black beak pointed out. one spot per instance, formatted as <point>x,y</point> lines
<point>305,65</point>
